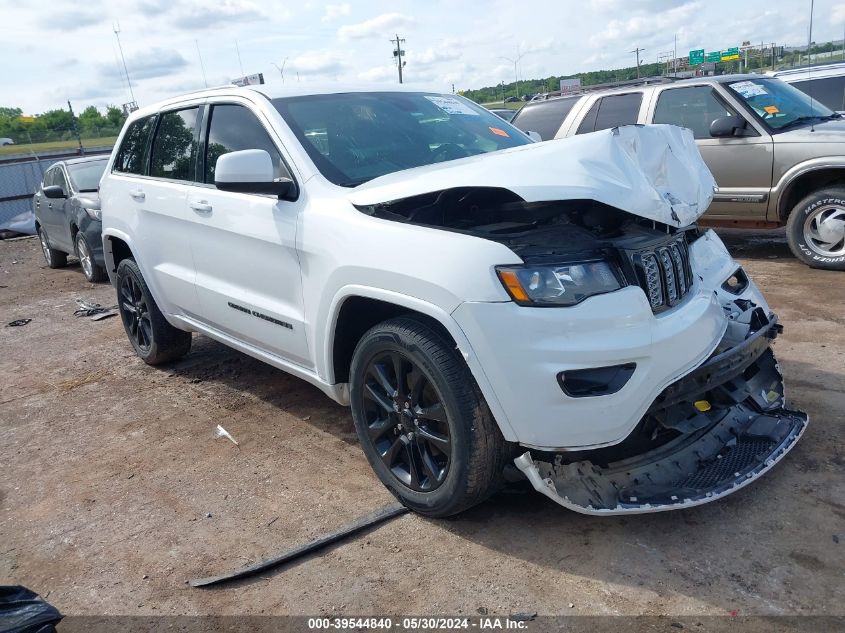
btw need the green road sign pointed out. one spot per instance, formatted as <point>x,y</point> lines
<point>715,56</point>
<point>730,54</point>
<point>696,57</point>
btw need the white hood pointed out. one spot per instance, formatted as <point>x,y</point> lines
<point>653,171</point>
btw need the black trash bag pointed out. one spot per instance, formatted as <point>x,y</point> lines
<point>24,611</point>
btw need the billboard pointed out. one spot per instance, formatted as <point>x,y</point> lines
<point>570,86</point>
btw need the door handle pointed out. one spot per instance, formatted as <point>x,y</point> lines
<point>137,194</point>
<point>201,206</point>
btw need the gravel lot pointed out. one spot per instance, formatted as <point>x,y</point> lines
<point>114,492</point>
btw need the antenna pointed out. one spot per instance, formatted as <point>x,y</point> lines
<point>810,65</point>
<point>116,28</point>
<point>202,65</point>
<point>240,63</point>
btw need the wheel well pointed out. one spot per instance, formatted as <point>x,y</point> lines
<point>73,231</point>
<point>804,185</point>
<point>359,314</point>
<point>119,250</point>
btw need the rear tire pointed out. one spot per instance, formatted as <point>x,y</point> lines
<point>55,259</point>
<point>815,229</point>
<point>429,435</point>
<point>90,269</point>
<point>154,339</point>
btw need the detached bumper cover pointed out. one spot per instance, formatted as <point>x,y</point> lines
<point>739,430</point>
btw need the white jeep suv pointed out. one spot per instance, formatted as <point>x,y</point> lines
<point>479,300</point>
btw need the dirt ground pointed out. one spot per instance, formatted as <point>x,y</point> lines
<point>114,492</point>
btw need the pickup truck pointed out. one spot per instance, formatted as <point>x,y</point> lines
<point>777,155</point>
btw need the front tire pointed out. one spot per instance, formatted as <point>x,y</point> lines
<point>90,269</point>
<point>816,229</point>
<point>55,259</point>
<point>154,339</point>
<point>421,420</point>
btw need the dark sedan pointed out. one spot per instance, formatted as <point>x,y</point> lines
<point>67,215</point>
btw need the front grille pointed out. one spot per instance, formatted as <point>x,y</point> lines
<point>664,273</point>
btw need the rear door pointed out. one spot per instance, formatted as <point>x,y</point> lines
<point>742,166</point>
<point>158,195</point>
<point>244,245</point>
<point>612,111</point>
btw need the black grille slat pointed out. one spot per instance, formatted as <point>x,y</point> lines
<point>736,459</point>
<point>664,273</point>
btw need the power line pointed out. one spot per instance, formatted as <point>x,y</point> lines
<point>397,53</point>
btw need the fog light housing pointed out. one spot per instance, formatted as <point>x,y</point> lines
<point>597,381</point>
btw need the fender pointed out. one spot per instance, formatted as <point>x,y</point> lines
<point>781,189</point>
<point>441,316</point>
<point>109,256</point>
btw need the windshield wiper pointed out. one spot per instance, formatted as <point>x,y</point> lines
<point>816,118</point>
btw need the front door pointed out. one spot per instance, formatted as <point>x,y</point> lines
<point>244,245</point>
<point>742,166</point>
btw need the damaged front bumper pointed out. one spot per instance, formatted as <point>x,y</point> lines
<point>727,422</point>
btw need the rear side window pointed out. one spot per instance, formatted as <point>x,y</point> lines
<point>131,157</point>
<point>175,146</point>
<point>612,111</point>
<point>545,117</point>
<point>233,128</point>
<point>695,108</point>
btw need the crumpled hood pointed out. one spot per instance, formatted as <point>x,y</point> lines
<point>653,171</point>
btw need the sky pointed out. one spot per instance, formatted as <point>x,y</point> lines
<point>69,50</point>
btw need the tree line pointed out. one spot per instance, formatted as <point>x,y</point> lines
<point>59,125</point>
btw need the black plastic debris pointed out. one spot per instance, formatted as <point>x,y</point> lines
<point>381,515</point>
<point>24,611</point>
<point>95,311</point>
<point>18,322</point>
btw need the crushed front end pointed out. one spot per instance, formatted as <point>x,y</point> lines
<point>706,435</point>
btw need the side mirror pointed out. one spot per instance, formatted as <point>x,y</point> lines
<point>733,125</point>
<point>250,171</point>
<point>54,192</point>
<point>534,136</point>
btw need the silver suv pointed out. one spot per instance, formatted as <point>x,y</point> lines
<point>777,155</point>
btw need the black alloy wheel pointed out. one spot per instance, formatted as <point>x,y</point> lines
<point>406,421</point>
<point>135,313</point>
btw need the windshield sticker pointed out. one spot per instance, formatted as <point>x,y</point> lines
<point>450,105</point>
<point>499,132</point>
<point>771,109</point>
<point>749,89</point>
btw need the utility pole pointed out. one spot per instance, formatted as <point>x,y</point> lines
<point>116,28</point>
<point>675,57</point>
<point>637,51</point>
<point>397,53</point>
<point>76,129</point>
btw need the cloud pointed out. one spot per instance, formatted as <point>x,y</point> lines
<point>645,29</point>
<point>378,26</point>
<point>155,62</point>
<point>203,15</point>
<point>379,74</point>
<point>317,63</point>
<point>334,11</point>
<point>70,19</point>
<point>435,56</point>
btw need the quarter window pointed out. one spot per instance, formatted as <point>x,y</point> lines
<point>131,157</point>
<point>174,146</point>
<point>233,128</point>
<point>612,111</point>
<point>695,107</point>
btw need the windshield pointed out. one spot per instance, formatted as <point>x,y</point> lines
<point>355,137</point>
<point>777,103</point>
<point>86,176</point>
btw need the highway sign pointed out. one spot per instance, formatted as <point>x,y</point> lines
<point>715,56</point>
<point>696,57</point>
<point>730,54</point>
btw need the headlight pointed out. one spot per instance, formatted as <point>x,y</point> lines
<point>559,284</point>
<point>94,214</point>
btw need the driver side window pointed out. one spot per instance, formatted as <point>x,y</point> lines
<point>695,107</point>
